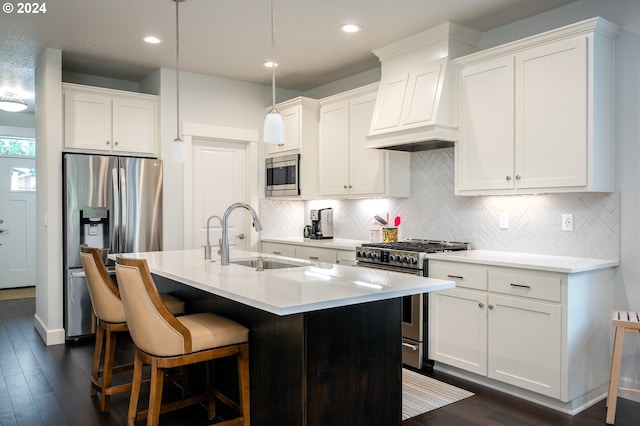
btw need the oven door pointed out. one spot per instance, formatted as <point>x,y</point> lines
<point>413,319</point>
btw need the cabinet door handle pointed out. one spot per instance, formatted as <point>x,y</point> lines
<point>518,177</point>
<point>314,258</point>
<point>344,186</point>
<point>520,285</point>
<point>108,142</point>
<point>490,306</point>
<point>508,178</point>
<point>277,252</point>
<point>458,277</point>
<point>115,143</point>
<point>481,305</point>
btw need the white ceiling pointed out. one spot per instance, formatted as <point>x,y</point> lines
<point>230,38</point>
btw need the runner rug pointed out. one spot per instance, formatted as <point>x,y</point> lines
<point>421,394</point>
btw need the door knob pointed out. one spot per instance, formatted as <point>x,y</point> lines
<point>241,236</point>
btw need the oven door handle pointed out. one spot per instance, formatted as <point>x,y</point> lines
<point>411,346</point>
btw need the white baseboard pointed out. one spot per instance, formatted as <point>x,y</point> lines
<point>50,337</point>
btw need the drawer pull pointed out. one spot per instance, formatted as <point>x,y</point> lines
<point>314,258</point>
<point>481,305</point>
<point>458,277</point>
<point>520,285</point>
<point>277,252</point>
<point>410,346</point>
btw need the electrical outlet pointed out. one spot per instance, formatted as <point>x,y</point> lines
<point>504,220</point>
<point>567,222</point>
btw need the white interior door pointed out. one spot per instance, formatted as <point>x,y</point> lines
<point>219,179</point>
<point>17,213</point>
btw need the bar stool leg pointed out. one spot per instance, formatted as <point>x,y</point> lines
<point>97,355</point>
<point>614,380</point>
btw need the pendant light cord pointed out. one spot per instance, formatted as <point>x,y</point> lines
<point>273,55</point>
<point>177,73</point>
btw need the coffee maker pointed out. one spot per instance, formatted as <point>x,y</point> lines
<point>322,224</point>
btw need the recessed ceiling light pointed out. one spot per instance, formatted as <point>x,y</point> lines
<point>151,39</point>
<point>269,64</point>
<point>350,28</point>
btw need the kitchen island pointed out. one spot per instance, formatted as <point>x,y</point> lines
<point>325,339</point>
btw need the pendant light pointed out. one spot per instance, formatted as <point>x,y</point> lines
<point>273,132</point>
<point>177,146</point>
<point>10,102</point>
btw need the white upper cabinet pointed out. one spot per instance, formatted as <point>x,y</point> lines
<point>536,115</point>
<point>110,121</point>
<point>300,117</point>
<point>347,167</point>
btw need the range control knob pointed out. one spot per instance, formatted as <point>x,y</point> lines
<point>413,260</point>
<point>392,257</point>
<point>376,256</point>
<point>405,259</point>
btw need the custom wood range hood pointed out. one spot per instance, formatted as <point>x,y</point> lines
<point>416,107</point>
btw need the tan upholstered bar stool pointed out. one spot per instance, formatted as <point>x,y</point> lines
<point>624,322</point>
<point>109,312</point>
<point>165,341</point>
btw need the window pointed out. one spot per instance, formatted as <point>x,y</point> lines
<point>22,178</point>
<point>17,147</point>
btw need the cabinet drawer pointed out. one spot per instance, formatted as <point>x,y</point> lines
<point>523,283</point>
<point>316,254</point>
<point>464,274</point>
<point>279,249</point>
<point>344,257</point>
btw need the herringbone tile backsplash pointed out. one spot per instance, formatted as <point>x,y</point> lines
<point>434,212</point>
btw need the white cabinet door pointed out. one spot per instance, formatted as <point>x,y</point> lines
<point>485,151</point>
<point>367,172</point>
<point>87,121</point>
<point>134,125</point>
<point>551,123</point>
<point>525,343</point>
<point>292,117</point>
<point>333,155</point>
<point>458,328</point>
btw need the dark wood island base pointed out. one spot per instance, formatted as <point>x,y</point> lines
<point>339,366</point>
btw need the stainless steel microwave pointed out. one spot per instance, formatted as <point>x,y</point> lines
<point>283,176</point>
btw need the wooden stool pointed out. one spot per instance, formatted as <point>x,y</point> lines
<point>108,309</point>
<point>166,341</point>
<point>624,322</point>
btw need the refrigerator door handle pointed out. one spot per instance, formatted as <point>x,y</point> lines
<point>115,235</point>
<point>123,212</point>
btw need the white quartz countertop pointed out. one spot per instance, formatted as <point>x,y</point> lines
<point>563,264</point>
<point>290,290</point>
<point>333,243</point>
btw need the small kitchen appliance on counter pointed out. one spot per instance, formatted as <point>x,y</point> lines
<point>322,224</point>
<point>408,257</point>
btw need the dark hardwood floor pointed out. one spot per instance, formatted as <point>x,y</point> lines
<point>42,385</point>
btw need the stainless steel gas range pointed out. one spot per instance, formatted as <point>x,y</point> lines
<point>409,257</point>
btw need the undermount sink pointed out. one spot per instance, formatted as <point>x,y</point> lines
<point>266,263</point>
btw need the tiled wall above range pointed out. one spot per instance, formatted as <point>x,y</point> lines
<point>434,212</point>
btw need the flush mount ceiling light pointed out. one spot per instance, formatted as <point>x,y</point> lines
<point>273,131</point>
<point>177,146</point>
<point>10,102</point>
<point>350,28</point>
<point>151,39</point>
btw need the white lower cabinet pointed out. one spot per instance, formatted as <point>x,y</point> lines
<point>315,254</point>
<point>540,331</point>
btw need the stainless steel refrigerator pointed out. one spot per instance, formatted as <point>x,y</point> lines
<point>109,202</point>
